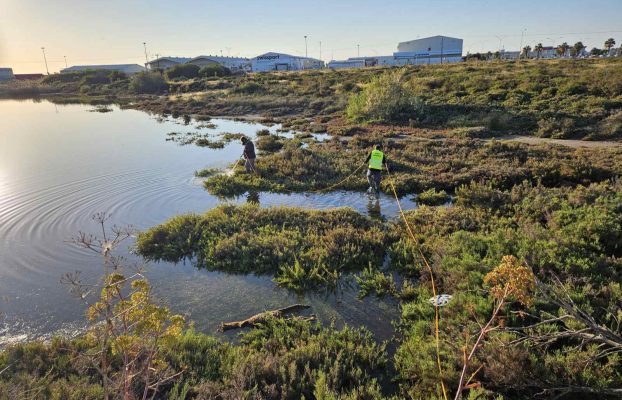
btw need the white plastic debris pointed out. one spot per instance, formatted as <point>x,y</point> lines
<point>440,300</point>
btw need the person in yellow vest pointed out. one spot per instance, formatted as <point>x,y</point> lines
<point>377,161</point>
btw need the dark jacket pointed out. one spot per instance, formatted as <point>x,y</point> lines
<point>249,150</point>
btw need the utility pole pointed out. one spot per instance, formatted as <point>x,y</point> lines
<point>65,57</point>
<point>320,50</point>
<point>146,58</point>
<point>46,61</point>
<point>306,49</point>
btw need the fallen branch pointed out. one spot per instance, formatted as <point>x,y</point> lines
<point>262,317</point>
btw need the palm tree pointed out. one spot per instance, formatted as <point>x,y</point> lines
<point>526,51</point>
<point>539,49</point>
<point>578,48</point>
<point>562,49</point>
<point>609,43</point>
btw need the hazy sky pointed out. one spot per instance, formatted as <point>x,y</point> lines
<point>113,31</point>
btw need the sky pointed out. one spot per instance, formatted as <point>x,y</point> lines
<point>113,31</point>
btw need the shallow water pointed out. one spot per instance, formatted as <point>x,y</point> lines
<point>61,164</point>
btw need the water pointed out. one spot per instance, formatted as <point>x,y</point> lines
<point>61,164</point>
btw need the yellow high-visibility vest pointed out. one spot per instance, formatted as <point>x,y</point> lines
<point>375,161</point>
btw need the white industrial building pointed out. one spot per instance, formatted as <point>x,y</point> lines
<point>6,74</point>
<point>431,50</point>
<point>283,62</point>
<point>128,69</point>
<point>233,63</point>
<point>166,62</point>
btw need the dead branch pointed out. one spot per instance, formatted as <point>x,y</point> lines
<point>262,317</point>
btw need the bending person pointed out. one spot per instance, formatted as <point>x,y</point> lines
<point>248,154</point>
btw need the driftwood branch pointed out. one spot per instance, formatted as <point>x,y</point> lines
<point>262,317</point>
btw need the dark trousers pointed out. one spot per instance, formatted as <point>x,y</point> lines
<point>373,178</point>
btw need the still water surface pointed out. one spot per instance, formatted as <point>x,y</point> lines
<point>61,164</point>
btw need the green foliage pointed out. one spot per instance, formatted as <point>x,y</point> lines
<point>214,70</point>
<point>147,82</point>
<point>301,248</point>
<point>269,143</point>
<point>431,197</point>
<point>182,71</point>
<point>375,282</point>
<point>282,359</point>
<point>385,99</point>
<point>249,88</point>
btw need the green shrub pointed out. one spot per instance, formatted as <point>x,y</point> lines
<point>269,143</point>
<point>147,82</point>
<point>211,70</point>
<point>431,197</point>
<point>302,248</point>
<point>386,99</point>
<point>181,71</point>
<point>249,88</point>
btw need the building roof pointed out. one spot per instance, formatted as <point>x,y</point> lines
<point>178,60</point>
<point>431,37</point>
<point>119,67</point>
<point>220,58</point>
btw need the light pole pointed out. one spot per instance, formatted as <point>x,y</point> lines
<point>358,50</point>
<point>146,58</point>
<point>306,48</point>
<point>520,50</point>
<point>46,61</point>
<point>500,41</point>
<point>65,57</point>
<point>320,51</point>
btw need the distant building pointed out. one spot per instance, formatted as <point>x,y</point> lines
<point>349,63</point>
<point>6,74</point>
<point>28,77</point>
<point>233,63</point>
<point>430,50</point>
<point>283,62</point>
<point>166,62</point>
<point>128,69</point>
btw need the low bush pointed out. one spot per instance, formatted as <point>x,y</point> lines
<point>269,143</point>
<point>274,241</point>
<point>182,71</point>
<point>147,82</point>
<point>385,99</point>
<point>431,197</point>
<point>214,70</point>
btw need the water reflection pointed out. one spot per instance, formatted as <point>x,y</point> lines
<point>252,197</point>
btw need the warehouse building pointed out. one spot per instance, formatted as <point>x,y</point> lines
<point>283,62</point>
<point>430,50</point>
<point>6,74</point>
<point>166,62</point>
<point>128,69</point>
<point>233,63</point>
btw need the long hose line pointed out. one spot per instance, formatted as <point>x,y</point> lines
<point>423,257</point>
<point>425,260</point>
